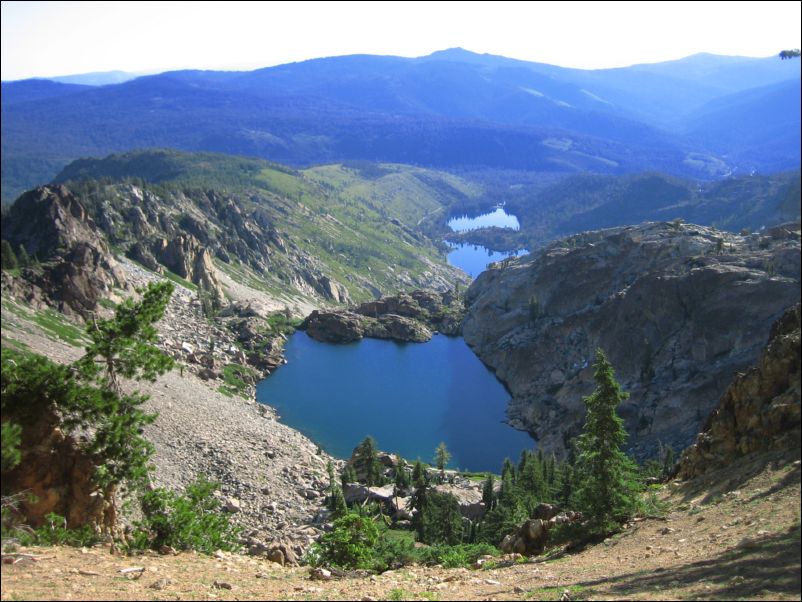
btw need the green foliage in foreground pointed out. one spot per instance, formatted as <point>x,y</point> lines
<point>34,389</point>
<point>357,542</point>
<point>85,400</point>
<point>192,521</point>
<point>125,345</point>
<point>349,544</point>
<point>56,533</point>
<point>11,440</point>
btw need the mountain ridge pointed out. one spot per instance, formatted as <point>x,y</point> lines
<point>450,110</point>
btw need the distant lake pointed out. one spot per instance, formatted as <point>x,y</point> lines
<point>497,217</point>
<point>409,397</point>
<point>474,259</point>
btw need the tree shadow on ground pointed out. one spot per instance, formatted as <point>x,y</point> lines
<point>715,483</point>
<point>769,565</point>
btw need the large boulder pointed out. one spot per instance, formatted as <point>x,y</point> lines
<point>398,328</point>
<point>468,498</point>
<point>334,327</point>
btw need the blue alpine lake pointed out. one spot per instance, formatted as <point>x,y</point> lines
<point>498,217</point>
<point>474,259</point>
<point>408,396</point>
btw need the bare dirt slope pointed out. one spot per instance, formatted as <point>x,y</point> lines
<point>730,535</point>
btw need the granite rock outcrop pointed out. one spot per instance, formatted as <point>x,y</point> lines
<point>677,308</point>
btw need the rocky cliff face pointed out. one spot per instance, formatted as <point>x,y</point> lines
<point>77,267</point>
<point>183,230</point>
<point>760,410</point>
<point>677,308</point>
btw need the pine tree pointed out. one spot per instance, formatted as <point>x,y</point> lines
<point>442,457</point>
<point>23,258</point>
<point>606,487</point>
<point>366,462</point>
<point>125,345</point>
<point>8,258</point>
<point>419,478</point>
<point>336,500</point>
<point>488,495</point>
<point>402,480</point>
<point>507,469</point>
<point>348,475</point>
<point>438,520</point>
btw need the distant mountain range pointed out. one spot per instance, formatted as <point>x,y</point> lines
<point>704,116</point>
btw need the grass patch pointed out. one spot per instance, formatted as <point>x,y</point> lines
<point>180,281</point>
<point>13,344</point>
<point>107,303</point>
<point>56,325</point>
<point>575,592</point>
<point>236,380</point>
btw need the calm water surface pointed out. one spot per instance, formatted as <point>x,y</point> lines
<point>474,259</point>
<point>498,218</point>
<point>409,397</point>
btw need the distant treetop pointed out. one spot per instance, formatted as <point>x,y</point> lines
<point>789,54</point>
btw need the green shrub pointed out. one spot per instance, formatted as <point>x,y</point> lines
<point>56,533</point>
<point>463,555</point>
<point>394,550</point>
<point>236,379</point>
<point>192,521</point>
<point>11,441</point>
<point>349,545</point>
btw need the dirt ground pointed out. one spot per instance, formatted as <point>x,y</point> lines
<point>732,535</point>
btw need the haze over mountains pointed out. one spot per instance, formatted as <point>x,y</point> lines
<point>704,116</point>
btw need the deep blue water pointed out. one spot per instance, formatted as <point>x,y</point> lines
<point>409,397</point>
<point>474,259</point>
<point>497,217</point>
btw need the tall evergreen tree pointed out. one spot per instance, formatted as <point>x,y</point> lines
<point>438,520</point>
<point>419,478</point>
<point>507,469</point>
<point>23,258</point>
<point>488,494</point>
<point>8,259</point>
<point>366,462</point>
<point>606,488</point>
<point>442,457</point>
<point>348,475</point>
<point>336,499</point>
<point>402,479</point>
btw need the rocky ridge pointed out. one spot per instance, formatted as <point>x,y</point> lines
<point>677,308</point>
<point>760,410</point>
<point>77,268</point>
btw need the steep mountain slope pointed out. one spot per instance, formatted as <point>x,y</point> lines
<point>764,119</point>
<point>760,411</point>
<point>326,235</point>
<point>677,308</point>
<point>449,109</point>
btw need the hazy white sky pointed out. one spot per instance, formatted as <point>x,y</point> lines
<point>60,38</point>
